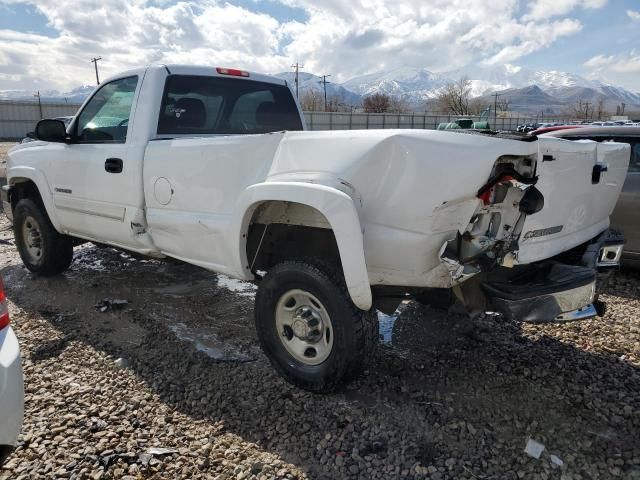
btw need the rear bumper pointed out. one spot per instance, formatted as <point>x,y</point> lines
<point>11,389</point>
<point>553,290</point>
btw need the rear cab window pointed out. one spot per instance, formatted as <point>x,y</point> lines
<point>205,105</point>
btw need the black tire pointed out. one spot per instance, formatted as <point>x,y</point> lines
<point>56,250</point>
<point>355,332</point>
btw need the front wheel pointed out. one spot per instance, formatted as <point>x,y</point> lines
<point>43,250</point>
<point>312,333</point>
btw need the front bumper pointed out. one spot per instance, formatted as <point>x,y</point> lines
<point>11,390</point>
<point>557,290</point>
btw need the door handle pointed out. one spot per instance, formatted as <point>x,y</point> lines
<point>113,165</point>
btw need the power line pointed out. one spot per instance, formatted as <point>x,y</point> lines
<point>94,60</point>
<point>324,85</point>
<point>297,66</point>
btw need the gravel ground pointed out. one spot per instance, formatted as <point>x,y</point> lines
<point>178,367</point>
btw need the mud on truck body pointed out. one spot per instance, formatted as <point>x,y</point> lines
<point>214,167</point>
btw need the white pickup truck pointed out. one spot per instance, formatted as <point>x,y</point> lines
<point>212,166</point>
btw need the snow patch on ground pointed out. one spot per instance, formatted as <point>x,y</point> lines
<point>244,289</point>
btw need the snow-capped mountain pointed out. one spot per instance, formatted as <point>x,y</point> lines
<point>308,81</point>
<point>399,82</point>
<point>419,85</point>
<point>501,77</point>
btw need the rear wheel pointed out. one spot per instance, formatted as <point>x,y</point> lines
<point>312,333</point>
<point>42,249</point>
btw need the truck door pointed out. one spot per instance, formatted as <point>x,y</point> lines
<point>96,184</point>
<point>192,184</point>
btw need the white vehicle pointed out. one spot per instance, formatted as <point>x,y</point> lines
<point>212,166</point>
<point>11,388</point>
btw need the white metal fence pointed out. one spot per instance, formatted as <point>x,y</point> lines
<point>19,117</point>
<point>364,121</point>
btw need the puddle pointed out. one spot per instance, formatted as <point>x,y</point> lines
<point>208,343</point>
<point>387,322</point>
<point>184,289</point>
<point>385,326</point>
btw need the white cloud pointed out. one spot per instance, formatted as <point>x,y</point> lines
<point>542,9</point>
<point>624,63</point>
<point>337,37</point>
<point>633,15</point>
<point>534,37</point>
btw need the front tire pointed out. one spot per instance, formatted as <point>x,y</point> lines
<point>312,333</point>
<point>43,250</point>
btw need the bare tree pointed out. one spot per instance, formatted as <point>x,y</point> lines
<point>454,97</point>
<point>335,103</point>
<point>477,106</point>
<point>503,104</point>
<point>376,103</point>
<point>600,109</point>
<point>399,105</point>
<point>312,101</point>
<point>580,109</point>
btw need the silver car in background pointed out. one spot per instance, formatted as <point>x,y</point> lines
<point>626,215</point>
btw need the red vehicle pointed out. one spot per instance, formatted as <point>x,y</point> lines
<point>542,130</point>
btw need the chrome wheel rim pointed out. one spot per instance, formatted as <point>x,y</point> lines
<point>304,327</point>
<point>32,238</point>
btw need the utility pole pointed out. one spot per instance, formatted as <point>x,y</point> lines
<point>94,60</point>
<point>324,84</point>
<point>37,94</point>
<point>297,66</point>
<point>495,109</point>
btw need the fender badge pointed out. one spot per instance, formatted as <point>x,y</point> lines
<point>543,232</point>
<point>62,190</point>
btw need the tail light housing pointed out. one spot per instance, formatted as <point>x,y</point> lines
<point>4,308</point>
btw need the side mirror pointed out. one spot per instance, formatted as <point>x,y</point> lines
<point>51,131</point>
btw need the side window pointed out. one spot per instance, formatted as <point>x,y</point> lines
<point>194,104</point>
<point>105,119</point>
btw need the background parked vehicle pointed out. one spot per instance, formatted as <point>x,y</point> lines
<point>11,386</point>
<point>626,215</point>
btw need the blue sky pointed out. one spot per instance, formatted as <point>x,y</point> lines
<point>47,44</point>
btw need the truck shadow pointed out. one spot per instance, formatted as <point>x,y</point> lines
<point>474,392</point>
